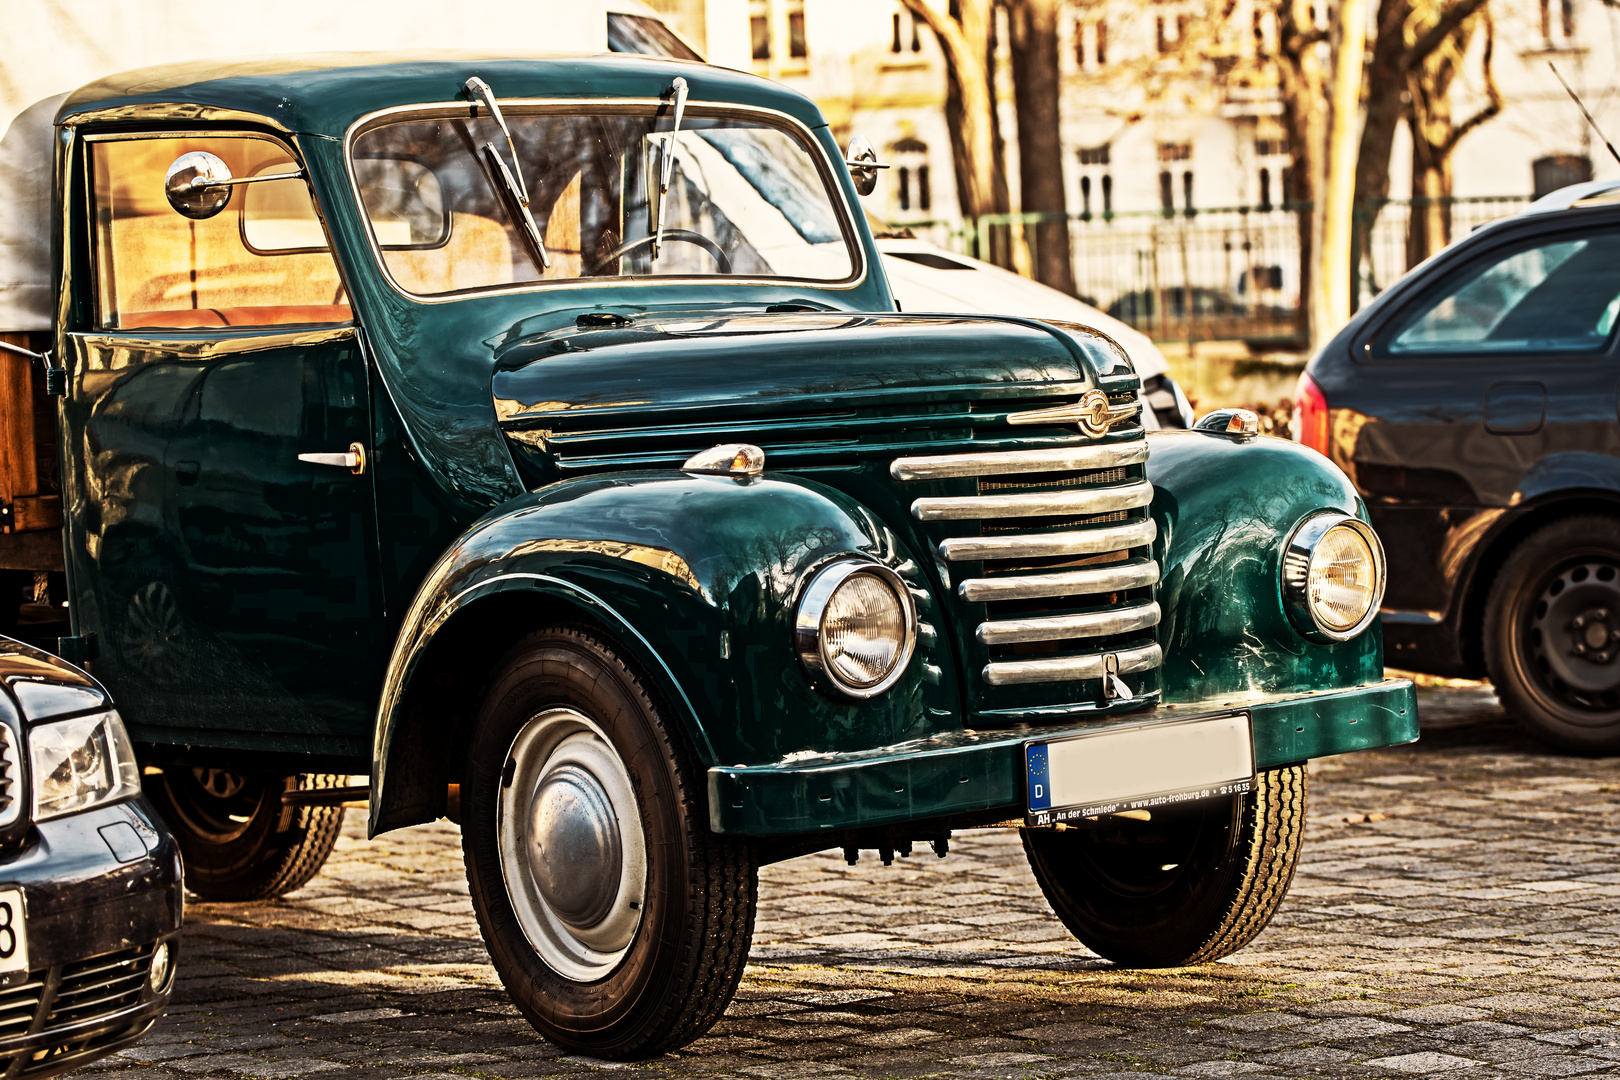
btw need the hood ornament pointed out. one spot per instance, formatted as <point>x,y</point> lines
<point>1092,412</point>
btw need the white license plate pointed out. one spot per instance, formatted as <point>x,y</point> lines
<point>13,938</point>
<point>1137,768</point>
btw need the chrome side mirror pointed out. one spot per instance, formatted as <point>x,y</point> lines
<point>198,185</point>
<point>863,165</point>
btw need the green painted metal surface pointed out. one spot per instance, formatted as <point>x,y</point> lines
<point>974,771</point>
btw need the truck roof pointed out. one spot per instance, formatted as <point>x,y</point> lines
<point>324,93</point>
<point>318,94</point>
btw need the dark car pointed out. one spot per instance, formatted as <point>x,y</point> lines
<point>1474,406</point>
<point>90,882</point>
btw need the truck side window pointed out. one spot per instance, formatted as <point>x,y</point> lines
<point>262,261</point>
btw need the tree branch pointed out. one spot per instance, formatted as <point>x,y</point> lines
<point>1435,35</point>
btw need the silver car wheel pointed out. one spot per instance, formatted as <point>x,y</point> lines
<point>573,854</point>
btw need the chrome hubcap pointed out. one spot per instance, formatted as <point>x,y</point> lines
<point>573,854</point>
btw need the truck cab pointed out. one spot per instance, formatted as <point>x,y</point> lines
<point>539,439</point>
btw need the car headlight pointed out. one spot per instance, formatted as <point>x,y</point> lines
<point>81,763</point>
<point>856,628</point>
<point>1333,576</point>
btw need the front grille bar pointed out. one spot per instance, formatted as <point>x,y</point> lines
<point>1106,500</point>
<point>1063,459</point>
<point>1070,668</point>
<point>1119,620</point>
<point>1136,574</point>
<point>1041,545</point>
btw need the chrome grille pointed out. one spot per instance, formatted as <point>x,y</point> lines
<point>1061,540</point>
<point>11,801</point>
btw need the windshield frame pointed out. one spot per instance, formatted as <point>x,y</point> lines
<point>521,106</point>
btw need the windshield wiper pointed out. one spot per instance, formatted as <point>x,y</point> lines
<point>516,190</point>
<point>666,169</point>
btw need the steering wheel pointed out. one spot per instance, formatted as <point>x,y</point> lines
<point>685,235</point>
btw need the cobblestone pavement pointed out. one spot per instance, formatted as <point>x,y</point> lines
<point>1455,914</point>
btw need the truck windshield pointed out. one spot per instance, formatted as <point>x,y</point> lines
<point>748,199</point>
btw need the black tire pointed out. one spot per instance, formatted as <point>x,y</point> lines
<point>601,957</point>
<point>237,840</point>
<point>1557,594</point>
<point>1229,863</point>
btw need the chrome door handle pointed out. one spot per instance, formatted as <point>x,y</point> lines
<point>354,460</point>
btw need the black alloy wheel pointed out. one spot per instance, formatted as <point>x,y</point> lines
<point>237,840</point>
<point>1552,634</point>
<point>618,922</point>
<point>1194,883</point>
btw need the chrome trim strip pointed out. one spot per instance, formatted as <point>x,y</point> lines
<point>1071,668</point>
<point>1036,504</point>
<point>1069,414</point>
<point>1037,545</point>
<point>1066,458</point>
<point>1131,575</point>
<point>1119,620</point>
<point>858,275</point>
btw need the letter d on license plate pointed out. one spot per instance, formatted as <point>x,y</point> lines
<point>1137,767</point>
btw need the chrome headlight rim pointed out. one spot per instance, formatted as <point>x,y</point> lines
<point>1296,565</point>
<point>810,644</point>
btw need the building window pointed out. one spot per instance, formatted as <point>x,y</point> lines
<point>1102,42</point>
<point>1163,37</point>
<point>925,197</point>
<point>894,46</point>
<point>1567,11</point>
<point>1167,194</point>
<point>1175,151</point>
<point>1108,196</point>
<point>1559,170</point>
<point>1085,198</point>
<point>1265,189</point>
<point>1094,155</point>
<point>798,46</point>
<point>1186,191</point>
<point>1259,32</point>
<point>759,29</point>
<point>903,175</point>
<point>898,44</point>
<point>1273,147</point>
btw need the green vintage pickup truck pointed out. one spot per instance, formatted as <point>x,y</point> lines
<point>540,437</point>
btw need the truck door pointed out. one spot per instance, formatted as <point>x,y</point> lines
<point>221,531</point>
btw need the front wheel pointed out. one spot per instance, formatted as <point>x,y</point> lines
<point>1194,883</point>
<point>617,921</point>
<point>1552,634</point>
<point>237,839</point>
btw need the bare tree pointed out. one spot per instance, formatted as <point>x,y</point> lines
<point>1302,72</point>
<point>1435,134</point>
<point>1036,90</point>
<point>965,41</point>
<point>1408,34</point>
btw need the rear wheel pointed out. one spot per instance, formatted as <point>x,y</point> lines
<point>1552,634</point>
<point>617,921</point>
<point>236,838</point>
<point>1195,883</point>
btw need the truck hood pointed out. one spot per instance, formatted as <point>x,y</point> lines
<point>821,388</point>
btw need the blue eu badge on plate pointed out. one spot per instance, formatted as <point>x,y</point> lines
<point>1040,787</point>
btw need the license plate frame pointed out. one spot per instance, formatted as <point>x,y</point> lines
<point>1200,758</point>
<point>13,936</point>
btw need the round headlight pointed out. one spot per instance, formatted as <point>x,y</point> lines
<point>1333,576</point>
<point>855,628</point>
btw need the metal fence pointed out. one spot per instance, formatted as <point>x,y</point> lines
<point>1229,273</point>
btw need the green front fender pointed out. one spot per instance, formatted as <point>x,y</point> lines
<point>1224,509</point>
<point>697,577</point>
